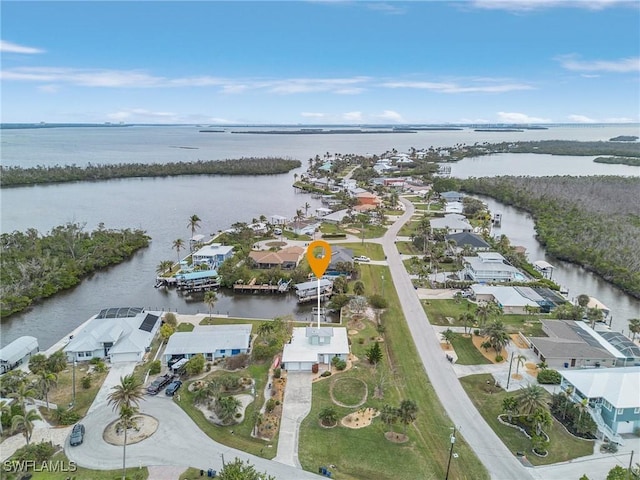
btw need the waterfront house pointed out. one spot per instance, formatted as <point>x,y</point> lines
<point>368,198</point>
<point>612,396</point>
<point>304,227</point>
<point>212,341</point>
<point>469,240</point>
<point>277,220</point>
<point>312,345</point>
<point>629,349</point>
<point>116,334</point>
<point>454,207</point>
<point>571,344</point>
<point>451,223</point>
<point>288,258</point>
<point>510,299</point>
<point>213,255</point>
<point>452,196</point>
<point>18,352</point>
<point>490,267</point>
<point>336,217</point>
<point>341,262</point>
<point>308,291</point>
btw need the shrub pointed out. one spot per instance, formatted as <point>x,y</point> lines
<point>86,382</point>
<point>609,447</point>
<point>236,362</point>
<point>340,364</point>
<point>171,319</point>
<point>270,405</point>
<point>66,417</point>
<point>38,452</point>
<point>549,377</point>
<point>195,365</point>
<point>499,358</point>
<point>326,373</point>
<point>378,301</point>
<point>277,373</point>
<point>155,367</point>
<point>476,332</point>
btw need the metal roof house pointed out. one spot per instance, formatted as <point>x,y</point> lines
<point>311,345</point>
<point>490,267</point>
<point>17,352</point>
<point>117,334</point>
<point>612,395</point>
<point>212,341</point>
<point>213,254</point>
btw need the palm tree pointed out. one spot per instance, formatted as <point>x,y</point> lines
<point>194,224</point>
<point>210,299</point>
<point>5,407</point>
<point>509,406</point>
<point>520,359</point>
<point>541,419</point>
<point>634,327</point>
<point>178,244</point>
<point>124,397</point>
<point>226,408</point>
<point>467,319</point>
<point>328,416</point>
<point>530,399</point>
<point>358,288</point>
<point>583,300</point>
<point>448,335</point>
<point>594,315</point>
<point>306,208</point>
<point>164,266</point>
<point>298,216</point>
<point>25,422</point>
<point>497,335</point>
<point>407,413</point>
<point>25,392</point>
<point>45,380</point>
<point>389,415</point>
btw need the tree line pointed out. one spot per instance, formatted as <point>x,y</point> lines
<point>36,266</point>
<point>18,176</point>
<point>593,221</point>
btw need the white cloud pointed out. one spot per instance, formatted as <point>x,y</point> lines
<point>623,65</point>
<point>48,88</point>
<point>474,120</point>
<point>312,114</point>
<point>392,116</point>
<point>589,75</point>
<point>142,115</point>
<point>515,117</point>
<point>621,120</point>
<point>387,8</point>
<point>531,5</point>
<point>8,47</point>
<point>455,88</point>
<point>581,119</point>
<point>352,116</point>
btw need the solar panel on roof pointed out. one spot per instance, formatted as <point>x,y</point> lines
<point>149,322</point>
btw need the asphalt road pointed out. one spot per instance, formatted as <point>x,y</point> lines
<point>494,455</point>
<point>178,441</point>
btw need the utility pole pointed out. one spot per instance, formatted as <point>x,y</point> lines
<point>509,374</point>
<point>73,402</point>
<point>630,463</point>
<point>453,441</point>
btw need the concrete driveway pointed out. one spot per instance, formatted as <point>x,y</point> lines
<point>177,442</point>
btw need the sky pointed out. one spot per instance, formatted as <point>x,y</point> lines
<point>321,62</point>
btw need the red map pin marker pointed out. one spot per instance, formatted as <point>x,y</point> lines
<point>319,264</point>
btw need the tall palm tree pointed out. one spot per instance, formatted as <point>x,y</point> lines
<point>226,408</point>
<point>509,406</point>
<point>520,360</point>
<point>45,381</point>
<point>467,319</point>
<point>194,224</point>
<point>389,415</point>
<point>497,335</point>
<point>210,299</point>
<point>164,266</point>
<point>125,398</point>
<point>358,288</point>
<point>307,206</point>
<point>634,327</point>
<point>178,244</point>
<point>5,407</point>
<point>25,392</point>
<point>531,398</point>
<point>407,413</point>
<point>25,422</point>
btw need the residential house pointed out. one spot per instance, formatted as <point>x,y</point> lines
<point>212,341</point>
<point>312,345</point>
<point>288,258</point>
<point>336,217</point>
<point>304,227</point>
<point>612,396</point>
<point>341,261</point>
<point>116,334</point>
<point>454,207</point>
<point>18,352</point>
<point>571,344</point>
<point>452,196</point>
<point>469,240</point>
<point>213,255</point>
<point>629,349</point>
<point>368,198</point>
<point>490,267</point>
<point>277,220</point>
<point>509,299</point>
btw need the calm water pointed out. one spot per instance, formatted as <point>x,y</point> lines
<point>163,206</point>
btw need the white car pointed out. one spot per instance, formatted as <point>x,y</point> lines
<point>361,259</point>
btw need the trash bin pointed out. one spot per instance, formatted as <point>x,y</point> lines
<point>566,364</point>
<point>210,473</point>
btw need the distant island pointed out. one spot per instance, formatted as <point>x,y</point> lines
<point>498,130</point>
<point>321,131</point>
<point>634,162</point>
<point>624,138</point>
<point>17,126</point>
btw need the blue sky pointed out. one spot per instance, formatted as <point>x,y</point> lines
<point>321,62</point>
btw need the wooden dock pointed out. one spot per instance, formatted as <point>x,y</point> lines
<point>252,287</point>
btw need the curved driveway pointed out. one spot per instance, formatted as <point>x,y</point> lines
<point>495,456</point>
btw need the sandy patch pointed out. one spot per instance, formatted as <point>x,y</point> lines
<point>515,338</point>
<point>352,230</point>
<point>396,437</point>
<point>145,426</point>
<point>446,346</point>
<point>353,332</point>
<point>490,354</point>
<point>210,414</point>
<point>532,369</point>
<point>360,419</point>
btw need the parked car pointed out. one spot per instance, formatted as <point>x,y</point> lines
<point>159,383</point>
<point>277,231</point>
<point>361,258</point>
<point>173,388</point>
<point>77,435</point>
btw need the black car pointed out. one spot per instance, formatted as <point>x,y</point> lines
<point>159,383</point>
<point>173,387</point>
<point>77,435</point>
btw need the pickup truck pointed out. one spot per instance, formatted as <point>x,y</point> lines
<point>159,383</point>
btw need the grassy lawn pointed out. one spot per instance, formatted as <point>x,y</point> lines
<point>488,400</point>
<point>407,248</point>
<point>467,353</point>
<point>231,321</point>
<point>408,228</point>
<point>185,327</point>
<point>348,389</point>
<point>365,453</point>
<point>86,474</point>
<point>372,250</point>
<point>241,437</point>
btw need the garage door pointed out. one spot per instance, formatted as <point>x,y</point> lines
<point>124,357</point>
<point>625,427</point>
<point>293,366</point>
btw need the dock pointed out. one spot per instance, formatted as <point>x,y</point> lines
<point>281,287</point>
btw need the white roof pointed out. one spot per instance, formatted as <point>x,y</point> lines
<point>208,339</point>
<point>542,265</point>
<point>619,386</point>
<point>18,349</point>
<point>213,249</point>
<point>505,296</point>
<point>300,350</point>
<point>313,284</point>
<point>450,223</point>
<point>595,303</point>
<point>336,216</point>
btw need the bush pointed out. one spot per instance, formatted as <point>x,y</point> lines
<point>609,447</point>
<point>476,332</point>
<point>326,373</point>
<point>549,377</point>
<point>155,367</point>
<point>195,365</point>
<point>38,452</point>
<point>236,362</point>
<point>86,382</point>
<point>499,358</point>
<point>341,365</point>
<point>171,319</point>
<point>66,417</point>
<point>378,301</point>
<point>277,373</point>
<point>270,405</point>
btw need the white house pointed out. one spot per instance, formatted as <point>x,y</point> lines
<point>311,345</point>
<point>490,267</point>
<point>213,255</point>
<point>454,207</point>
<point>117,334</point>
<point>212,341</point>
<point>509,299</point>
<point>452,223</point>
<point>18,352</point>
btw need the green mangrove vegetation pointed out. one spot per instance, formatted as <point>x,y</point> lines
<point>18,176</point>
<point>36,266</point>
<point>593,221</point>
<point>632,161</point>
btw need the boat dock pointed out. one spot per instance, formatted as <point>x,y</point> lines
<point>281,287</point>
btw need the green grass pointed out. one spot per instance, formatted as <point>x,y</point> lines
<point>241,437</point>
<point>372,250</point>
<point>348,390</point>
<point>408,228</point>
<point>85,474</point>
<point>185,327</point>
<point>466,351</point>
<point>365,453</point>
<point>488,399</point>
<point>407,248</point>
